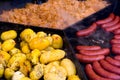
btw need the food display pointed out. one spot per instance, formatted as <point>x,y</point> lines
<point>99,62</point>
<point>54,13</point>
<point>35,55</point>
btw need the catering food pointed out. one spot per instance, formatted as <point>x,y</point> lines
<point>35,58</point>
<point>54,13</point>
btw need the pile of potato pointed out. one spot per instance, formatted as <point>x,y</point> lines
<point>39,57</point>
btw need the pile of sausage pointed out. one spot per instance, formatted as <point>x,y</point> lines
<point>98,64</point>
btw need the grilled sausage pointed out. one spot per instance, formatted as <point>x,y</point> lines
<point>87,31</point>
<point>104,51</point>
<point>89,59</point>
<point>117,31</point>
<point>92,75</point>
<point>112,61</point>
<point>109,67</point>
<point>113,28</point>
<point>116,50</point>
<point>79,47</point>
<point>117,36</point>
<point>112,23</point>
<point>104,73</point>
<point>106,20</point>
<point>117,57</point>
<point>115,41</point>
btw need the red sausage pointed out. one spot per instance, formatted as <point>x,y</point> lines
<point>117,57</point>
<point>113,61</point>
<point>87,31</point>
<point>117,36</point>
<point>92,75</point>
<point>115,21</point>
<point>115,41</point>
<point>112,28</point>
<point>104,51</point>
<point>109,67</point>
<point>104,73</point>
<point>79,47</point>
<point>115,45</point>
<point>117,31</point>
<point>116,50</point>
<point>89,59</point>
<point>106,20</point>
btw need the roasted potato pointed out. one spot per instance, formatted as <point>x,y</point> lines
<point>10,34</point>
<point>16,60</point>
<point>41,34</point>
<point>1,70</point>
<point>53,55</point>
<point>37,72</point>
<point>71,70</point>
<point>57,41</point>
<point>53,71</point>
<point>17,75</point>
<point>4,57</point>
<point>27,34</point>
<point>39,43</point>
<point>7,45</point>
<point>8,73</point>
<point>14,51</point>
<point>35,54</point>
<point>73,77</point>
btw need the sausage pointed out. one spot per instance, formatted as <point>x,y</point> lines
<point>89,59</point>
<point>104,73</point>
<point>104,51</point>
<point>92,75</point>
<point>79,47</point>
<point>115,41</point>
<point>109,67</point>
<point>112,28</point>
<point>117,31</point>
<point>106,20</point>
<point>116,50</point>
<point>117,36</point>
<point>87,31</point>
<point>117,57</point>
<point>112,61</point>
<point>115,45</point>
<point>115,21</point>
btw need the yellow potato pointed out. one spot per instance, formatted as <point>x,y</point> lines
<point>14,51</point>
<point>37,72</point>
<point>55,73</point>
<point>25,67</point>
<point>51,67</point>
<point>23,43</point>
<point>39,43</point>
<point>57,41</point>
<point>25,49</point>
<point>71,70</point>
<point>25,78</point>
<point>8,45</point>
<point>27,34</point>
<point>4,57</point>
<point>17,75</point>
<point>10,34</point>
<point>35,54</point>
<point>73,77</point>
<point>50,39</point>
<point>52,55</point>
<point>41,34</point>
<point>16,60</point>
<point>8,73</point>
<point>0,45</point>
<point>1,70</point>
